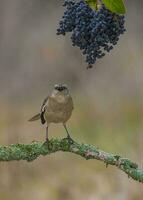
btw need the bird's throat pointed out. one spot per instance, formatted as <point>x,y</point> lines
<point>59,98</point>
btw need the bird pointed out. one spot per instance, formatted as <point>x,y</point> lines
<point>56,108</point>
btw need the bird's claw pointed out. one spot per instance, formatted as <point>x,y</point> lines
<point>46,142</point>
<point>70,140</point>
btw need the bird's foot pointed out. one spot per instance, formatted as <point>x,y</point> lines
<point>70,140</point>
<point>46,141</point>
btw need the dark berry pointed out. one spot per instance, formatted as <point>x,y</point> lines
<point>94,32</point>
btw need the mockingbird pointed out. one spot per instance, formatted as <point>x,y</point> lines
<point>56,108</point>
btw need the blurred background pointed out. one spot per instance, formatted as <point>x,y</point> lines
<point>107,99</point>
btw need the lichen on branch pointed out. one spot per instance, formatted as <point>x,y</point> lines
<point>30,152</point>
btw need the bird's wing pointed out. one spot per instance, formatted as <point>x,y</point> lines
<point>43,110</point>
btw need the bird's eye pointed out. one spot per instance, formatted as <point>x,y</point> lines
<point>56,87</point>
<point>64,87</point>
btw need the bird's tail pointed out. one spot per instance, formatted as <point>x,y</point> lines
<point>34,118</point>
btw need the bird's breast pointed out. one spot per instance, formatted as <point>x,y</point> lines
<point>58,110</point>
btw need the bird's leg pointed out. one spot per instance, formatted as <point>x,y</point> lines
<point>68,135</point>
<point>47,139</point>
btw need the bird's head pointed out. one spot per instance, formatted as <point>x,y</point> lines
<point>61,89</point>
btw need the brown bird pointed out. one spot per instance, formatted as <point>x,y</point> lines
<point>56,108</point>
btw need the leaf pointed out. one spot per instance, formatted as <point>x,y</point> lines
<point>92,4</point>
<point>116,6</point>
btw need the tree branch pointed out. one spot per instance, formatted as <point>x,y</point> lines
<point>32,151</point>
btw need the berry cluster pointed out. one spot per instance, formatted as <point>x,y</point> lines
<point>95,32</point>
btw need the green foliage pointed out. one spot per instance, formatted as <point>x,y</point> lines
<point>116,6</point>
<point>92,3</point>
